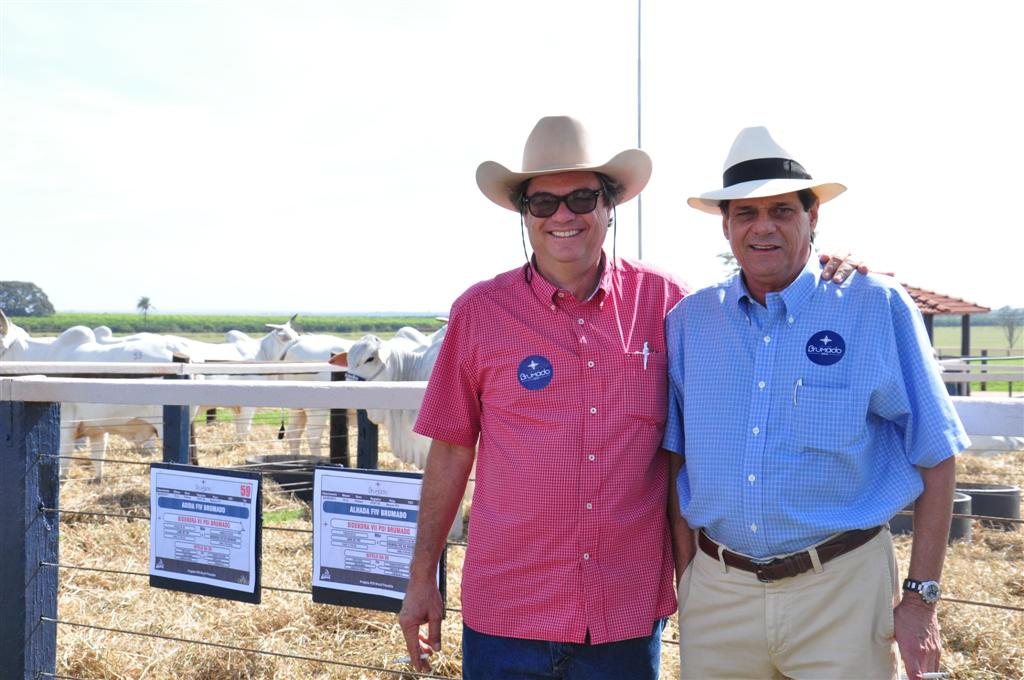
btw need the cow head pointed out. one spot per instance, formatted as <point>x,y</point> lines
<point>367,359</point>
<point>276,342</point>
<point>9,332</point>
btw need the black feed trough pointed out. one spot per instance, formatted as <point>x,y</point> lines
<point>292,474</point>
<point>993,500</point>
<point>959,528</point>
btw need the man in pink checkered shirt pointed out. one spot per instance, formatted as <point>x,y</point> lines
<point>552,376</point>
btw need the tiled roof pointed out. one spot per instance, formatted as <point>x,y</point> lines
<point>930,302</point>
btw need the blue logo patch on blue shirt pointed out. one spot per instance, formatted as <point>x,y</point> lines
<point>826,348</point>
<point>535,372</point>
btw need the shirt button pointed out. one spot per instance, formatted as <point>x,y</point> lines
<point>590,364</point>
<point>586,556</point>
<point>767,339</point>
<point>791,320</point>
<point>753,527</point>
<point>756,430</point>
<point>593,410</point>
<point>579,321</point>
<point>590,506</point>
<point>751,478</point>
<point>561,294</point>
<point>553,308</point>
<point>761,384</point>
<point>591,457</point>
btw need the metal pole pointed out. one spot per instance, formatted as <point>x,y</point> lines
<point>339,430</point>
<point>639,139</point>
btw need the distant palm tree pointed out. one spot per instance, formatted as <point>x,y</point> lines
<point>144,305</point>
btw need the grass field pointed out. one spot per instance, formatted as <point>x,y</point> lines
<point>217,325</point>
<point>992,338</point>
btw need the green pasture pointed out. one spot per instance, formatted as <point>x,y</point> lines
<point>213,327</point>
<point>992,338</point>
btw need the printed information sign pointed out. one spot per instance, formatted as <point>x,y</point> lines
<point>205,531</point>
<point>364,530</point>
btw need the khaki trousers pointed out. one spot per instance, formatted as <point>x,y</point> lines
<point>819,625</point>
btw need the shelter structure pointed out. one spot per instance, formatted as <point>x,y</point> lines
<point>932,304</point>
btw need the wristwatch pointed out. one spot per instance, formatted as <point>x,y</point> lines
<point>929,591</point>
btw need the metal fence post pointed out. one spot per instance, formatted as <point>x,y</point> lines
<point>984,362</point>
<point>338,437</point>
<point>366,455</point>
<point>179,436</point>
<point>29,440</point>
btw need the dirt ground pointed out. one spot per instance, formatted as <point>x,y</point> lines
<point>980,642</point>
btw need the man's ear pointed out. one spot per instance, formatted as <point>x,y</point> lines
<point>812,215</point>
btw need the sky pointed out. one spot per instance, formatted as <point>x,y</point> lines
<point>319,157</point>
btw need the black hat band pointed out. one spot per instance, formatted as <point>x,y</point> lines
<point>764,168</point>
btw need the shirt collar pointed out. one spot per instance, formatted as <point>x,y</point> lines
<point>546,290</point>
<point>793,296</point>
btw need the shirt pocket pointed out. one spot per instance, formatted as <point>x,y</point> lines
<point>645,387</point>
<point>828,419</point>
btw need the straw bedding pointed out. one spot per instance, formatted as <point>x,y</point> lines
<point>979,642</point>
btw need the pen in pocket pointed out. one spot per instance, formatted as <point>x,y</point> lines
<point>796,386</point>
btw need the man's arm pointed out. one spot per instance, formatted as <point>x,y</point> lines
<point>444,483</point>
<point>682,535</point>
<point>917,625</point>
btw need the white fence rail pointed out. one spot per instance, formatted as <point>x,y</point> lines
<point>269,393</point>
<point>981,416</point>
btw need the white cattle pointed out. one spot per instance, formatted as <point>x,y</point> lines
<point>310,423</point>
<point>237,346</point>
<point>408,356</point>
<point>141,424</point>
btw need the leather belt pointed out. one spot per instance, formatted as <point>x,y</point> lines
<point>791,565</point>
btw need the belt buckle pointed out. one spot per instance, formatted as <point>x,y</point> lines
<point>759,571</point>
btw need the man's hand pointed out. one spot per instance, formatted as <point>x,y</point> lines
<point>917,635</point>
<point>422,604</point>
<point>838,267</point>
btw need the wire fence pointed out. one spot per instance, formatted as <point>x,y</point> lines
<point>246,650</point>
<point>292,487</point>
<point>146,517</point>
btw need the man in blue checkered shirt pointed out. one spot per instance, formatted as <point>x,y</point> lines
<point>806,414</point>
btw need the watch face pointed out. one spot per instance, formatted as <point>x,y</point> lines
<point>930,591</point>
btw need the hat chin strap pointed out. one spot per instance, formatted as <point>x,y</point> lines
<point>615,234</point>
<point>528,270</point>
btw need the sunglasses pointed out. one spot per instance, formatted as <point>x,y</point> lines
<point>543,204</point>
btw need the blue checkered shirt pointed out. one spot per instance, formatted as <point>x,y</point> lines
<point>806,417</point>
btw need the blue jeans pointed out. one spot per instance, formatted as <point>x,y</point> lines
<point>491,657</point>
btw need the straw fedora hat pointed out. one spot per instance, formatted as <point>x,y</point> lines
<point>559,144</point>
<point>757,167</point>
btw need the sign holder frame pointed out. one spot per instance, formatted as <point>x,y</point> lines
<point>195,588</point>
<point>349,598</point>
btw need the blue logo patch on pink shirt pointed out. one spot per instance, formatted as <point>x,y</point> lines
<point>535,372</point>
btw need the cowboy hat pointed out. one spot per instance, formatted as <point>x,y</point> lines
<point>757,167</point>
<point>559,144</point>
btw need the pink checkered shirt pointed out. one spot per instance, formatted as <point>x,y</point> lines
<point>569,532</point>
